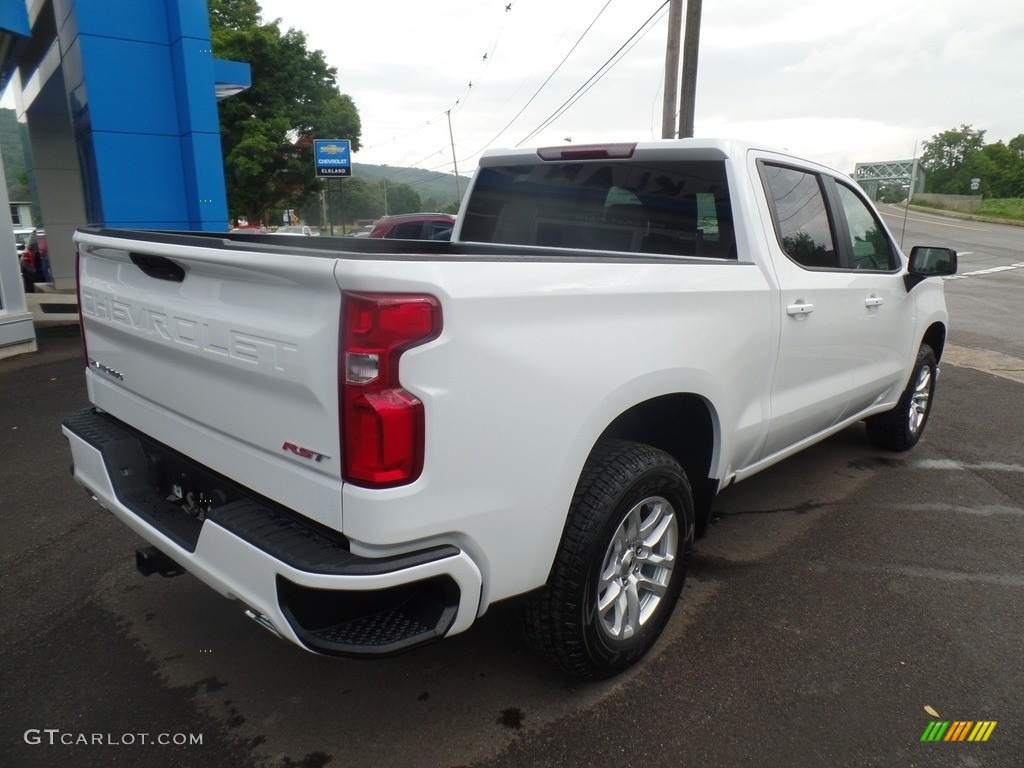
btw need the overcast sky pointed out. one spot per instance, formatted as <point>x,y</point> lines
<point>840,82</point>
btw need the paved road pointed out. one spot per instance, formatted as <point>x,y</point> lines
<point>835,596</point>
<point>987,289</point>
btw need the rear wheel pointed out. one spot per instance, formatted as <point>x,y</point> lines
<point>902,427</point>
<point>621,563</point>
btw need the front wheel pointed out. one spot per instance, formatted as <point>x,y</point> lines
<point>621,564</point>
<point>901,428</point>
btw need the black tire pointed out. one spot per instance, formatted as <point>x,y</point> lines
<point>606,554</point>
<point>901,428</point>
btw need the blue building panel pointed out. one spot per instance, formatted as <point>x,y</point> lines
<point>194,70</point>
<point>16,32</point>
<point>205,188</point>
<point>188,18</point>
<point>232,73</point>
<point>14,18</point>
<point>142,87</point>
<point>130,85</point>
<point>141,180</point>
<point>144,21</point>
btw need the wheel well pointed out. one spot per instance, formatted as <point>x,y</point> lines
<point>935,337</point>
<point>680,425</point>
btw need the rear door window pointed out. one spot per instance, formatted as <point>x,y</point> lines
<point>800,216</point>
<point>409,230</point>
<point>439,230</point>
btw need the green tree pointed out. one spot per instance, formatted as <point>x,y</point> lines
<point>234,14</point>
<point>267,131</point>
<point>950,160</point>
<point>12,148</point>
<point>1000,171</point>
<point>362,200</point>
<point>1014,175</point>
<point>433,204</point>
<point>1016,145</point>
<point>892,195</point>
<point>401,197</point>
<point>365,199</point>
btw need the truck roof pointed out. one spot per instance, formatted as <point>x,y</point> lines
<point>665,149</point>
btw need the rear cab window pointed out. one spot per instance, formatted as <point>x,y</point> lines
<point>679,207</point>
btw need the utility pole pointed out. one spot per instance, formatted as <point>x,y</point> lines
<point>455,160</point>
<point>691,44</point>
<point>668,110</point>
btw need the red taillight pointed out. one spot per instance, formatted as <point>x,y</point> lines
<point>382,425</point>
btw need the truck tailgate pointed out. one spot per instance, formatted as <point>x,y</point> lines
<point>227,355</point>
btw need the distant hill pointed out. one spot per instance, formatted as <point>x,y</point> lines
<point>429,185</point>
<point>434,188</point>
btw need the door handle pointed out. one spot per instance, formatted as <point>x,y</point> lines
<point>799,308</point>
<point>874,301</point>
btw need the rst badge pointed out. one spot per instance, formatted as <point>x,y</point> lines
<point>305,453</point>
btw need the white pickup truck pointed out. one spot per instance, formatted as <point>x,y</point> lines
<point>367,443</point>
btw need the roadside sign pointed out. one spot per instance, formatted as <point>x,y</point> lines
<point>333,157</point>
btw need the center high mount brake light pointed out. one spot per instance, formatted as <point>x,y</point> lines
<point>622,151</point>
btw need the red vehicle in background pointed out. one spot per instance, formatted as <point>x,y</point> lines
<point>35,261</point>
<point>415,226</point>
<point>251,229</point>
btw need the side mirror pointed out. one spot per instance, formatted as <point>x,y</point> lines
<point>929,261</point>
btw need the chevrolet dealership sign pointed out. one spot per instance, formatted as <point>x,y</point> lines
<point>333,157</point>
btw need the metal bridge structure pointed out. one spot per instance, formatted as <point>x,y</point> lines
<point>907,175</point>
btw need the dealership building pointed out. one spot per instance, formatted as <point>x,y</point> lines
<point>119,100</point>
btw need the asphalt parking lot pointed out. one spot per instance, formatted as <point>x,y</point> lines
<point>836,596</point>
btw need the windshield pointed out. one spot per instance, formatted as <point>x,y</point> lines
<point>679,208</point>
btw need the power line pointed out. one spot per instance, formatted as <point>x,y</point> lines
<point>546,81</point>
<point>411,132</point>
<point>594,79</point>
<point>486,60</point>
<point>608,65</point>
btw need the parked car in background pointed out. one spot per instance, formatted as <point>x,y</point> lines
<point>251,229</point>
<point>363,231</point>
<point>293,229</point>
<point>21,236</point>
<point>35,261</point>
<point>415,226</point>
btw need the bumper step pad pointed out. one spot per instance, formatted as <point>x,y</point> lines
<point>337,622</point>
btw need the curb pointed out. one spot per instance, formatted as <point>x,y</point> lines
<point>51,308</point>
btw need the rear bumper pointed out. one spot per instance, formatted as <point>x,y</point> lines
<point>293,576</point>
